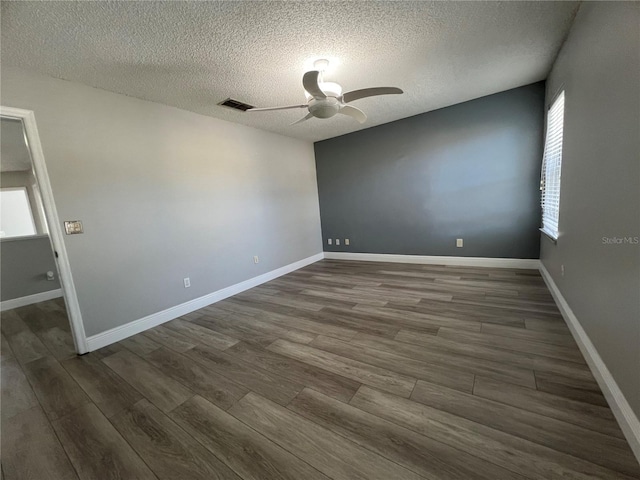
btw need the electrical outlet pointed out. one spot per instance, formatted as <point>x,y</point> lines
<point>346,241</point>
<point>459,242</point>
<point>329,241</point>
<point>256,259</point>
<point>187,282</point>
<point>337,241</point>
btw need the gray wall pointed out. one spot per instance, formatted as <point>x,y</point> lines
<point>413,186</point>
<point>599,69</point>
<point>24,266</point>
<point>165,194</point>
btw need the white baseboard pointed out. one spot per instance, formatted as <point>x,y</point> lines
<point>116,334</point>
<point>527,263</point>
<point>627,419</point>
<point>30,299</point>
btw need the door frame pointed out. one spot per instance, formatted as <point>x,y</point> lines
<point>56,235</point>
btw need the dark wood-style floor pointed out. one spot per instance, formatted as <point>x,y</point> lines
<point>340,370</point>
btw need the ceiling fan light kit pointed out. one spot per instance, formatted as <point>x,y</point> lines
<point>325,99</point>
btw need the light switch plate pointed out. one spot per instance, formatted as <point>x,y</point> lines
<point>73,227</point>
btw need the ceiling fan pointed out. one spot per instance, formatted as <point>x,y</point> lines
<point>325,99</point>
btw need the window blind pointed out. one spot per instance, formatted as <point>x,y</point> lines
<point>551,168</point>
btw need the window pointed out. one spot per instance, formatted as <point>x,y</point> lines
<point>551,166</point>
<point>16,219</point>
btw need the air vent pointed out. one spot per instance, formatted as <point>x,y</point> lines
<point>235,104</point>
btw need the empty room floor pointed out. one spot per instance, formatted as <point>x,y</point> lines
<point>342,370</point>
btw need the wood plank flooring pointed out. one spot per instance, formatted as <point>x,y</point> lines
<point>341,370</point>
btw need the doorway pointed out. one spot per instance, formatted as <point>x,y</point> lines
<point>35,265</point>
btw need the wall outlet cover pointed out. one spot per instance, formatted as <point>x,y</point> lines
<point>73,227</point>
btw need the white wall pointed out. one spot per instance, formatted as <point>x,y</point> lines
<point>165,194</point>
<point>599,70</point>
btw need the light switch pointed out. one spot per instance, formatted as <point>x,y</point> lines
<point>73,227</point>
<point>337,241</point>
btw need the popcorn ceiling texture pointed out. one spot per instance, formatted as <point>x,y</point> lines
<point>193,55</point>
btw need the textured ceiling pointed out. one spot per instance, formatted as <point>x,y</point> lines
<point>14,154</point>
<point>192,55</point>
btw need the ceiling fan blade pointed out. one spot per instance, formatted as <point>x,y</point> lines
<point>369,92</point>
<point>354,112</point>
<point>309,115</point>
<point>310,84</point>
<point>267,109</point>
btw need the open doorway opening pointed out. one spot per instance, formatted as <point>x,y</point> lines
<point>37,294</point>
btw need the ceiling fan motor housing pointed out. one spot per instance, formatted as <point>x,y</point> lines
<point>324,108</point>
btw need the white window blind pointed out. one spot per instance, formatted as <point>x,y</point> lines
<point>551,168</point>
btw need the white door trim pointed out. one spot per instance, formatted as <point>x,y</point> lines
<point>55,228</point>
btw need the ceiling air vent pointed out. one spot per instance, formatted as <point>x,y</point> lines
<point>235,104</point>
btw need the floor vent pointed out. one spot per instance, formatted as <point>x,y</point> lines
<point>236,105</point>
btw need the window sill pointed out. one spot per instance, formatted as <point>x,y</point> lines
<point>549,236</point>
<point>23,237</point>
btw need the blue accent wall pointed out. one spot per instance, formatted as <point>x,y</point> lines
<point>414,186</point>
